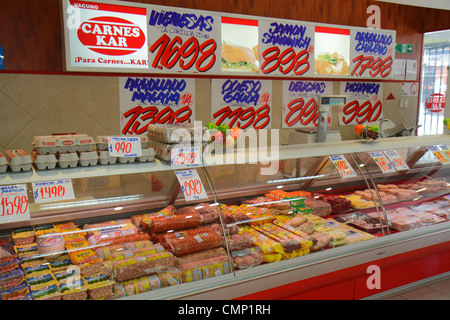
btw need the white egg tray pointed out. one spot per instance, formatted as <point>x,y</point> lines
<point>63,143</point>
<point>68,160</point>
<point>164,150</point>
<point>44,161</point>
<point>173,133</point>
<point>102,141</point>
<point>18,160</point>
<point>105,158</point>
<point>148,154</point>
<point>3,163</point>
<point>88,158</point>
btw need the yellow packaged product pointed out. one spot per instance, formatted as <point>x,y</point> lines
<point>288,235</point>
<point>267,245</point>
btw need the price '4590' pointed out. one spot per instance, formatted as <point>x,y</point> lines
<point>13,205</point>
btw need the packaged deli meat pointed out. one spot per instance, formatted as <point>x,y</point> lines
<point>139,266</point>
<point>206,268</point>
<point>200,255</point>
<point>194,243</point>
<point>137,219</point>
<point>130,249</point>
<point>247,258</point>
<point>124,239</point>
<point>144,284</point>
<point>166,236</point>
<point>239,241</point>
<point>98,286</point>
<point>175,222</point>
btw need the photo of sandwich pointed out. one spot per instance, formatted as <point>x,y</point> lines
<point>332,51</point>
<point>239,58</point>
<point>331,64</point>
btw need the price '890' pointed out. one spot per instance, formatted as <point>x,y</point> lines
<point>192,187</point>
<point>13,205</point>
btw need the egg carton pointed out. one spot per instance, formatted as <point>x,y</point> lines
<point>104,157</point>
<point>102,141</point>
<point>163,151</point>
<point>44,161</point>
<point>148,154</point>
<point>18,160</point>
<point>3,163</point>
<point>67,160</point>
<point>88,158</point>
<point>173,133</point>
<point>63,143</point>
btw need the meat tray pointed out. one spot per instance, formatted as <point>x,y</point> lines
<point>361,221</point>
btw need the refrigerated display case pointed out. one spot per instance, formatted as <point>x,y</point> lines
<point>301,231</point>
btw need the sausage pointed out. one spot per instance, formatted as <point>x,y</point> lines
<point>124,239</point>
<point>139,266</point>
<point>164,237</point>
<point>138,220</point>
<point>206,268</point>
<point>201,255</point>
<point>122,251</point>
<point>239,241</point>
<point>194,243</point>
<point>175,222</point>
<point>103,226</point>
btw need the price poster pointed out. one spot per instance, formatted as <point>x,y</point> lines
<point>396,160</point>
<point>372,52</point>
<point>445,150</point>
<point>182,40</point>
<point>188,156</point>
<point>342,165</point>
<point>145,101</point>
<point>50,191</point>
<point>241,103</point>
<point>364,103</point>
<point>382,162</point>
<point>300,102</point>
<point>14,203</point>
<point>124,146</point>
<point>439,154</point>
<point>286,48</point>
<point>191,185</point>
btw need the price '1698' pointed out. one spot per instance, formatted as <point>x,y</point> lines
<point>13,205</point>
<point>171,52</point>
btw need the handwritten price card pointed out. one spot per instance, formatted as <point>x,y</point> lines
<point>372,53</point>
<point>300,107</point>
<point>14,203</point>
<point>439,154</point>
<point>145,101</point>
<point>396,160</point>
<point>50,191</point>
<point>182,40</point>
<point>241,103</point>
<point>445,150</point>
<point>189,156</point>
<point>364,104</point>
<point>382,162</point>
<point>191,185</point>
<point>286,48</point>
<point>342,165</point>
<point>124,146</point>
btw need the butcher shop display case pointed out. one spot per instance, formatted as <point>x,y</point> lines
<point>298,225</point>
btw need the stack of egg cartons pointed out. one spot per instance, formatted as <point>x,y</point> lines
<point>17,160</point>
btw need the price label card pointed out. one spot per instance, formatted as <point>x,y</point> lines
<point>125,146</point>
<point>191,185</point>
<point>445,150</point>
<point>188,156</point>
<point>50,191</point>
<point>382,162</point>
<point>441,156</point>
<point>396,160</point>
<point>344,168</point>
<point>14,203</point>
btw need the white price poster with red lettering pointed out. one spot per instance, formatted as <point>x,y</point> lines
<point>145,101</point>
<point>241,103</point>
<point>300,102</point>
<point>364,103</point>
<point>286,48</point>
<point>372,53</point>
<point>191,185</point>
<point>104,35</point>
<point>182,40</point>
<point>343,166</point>
<point>14,203</point>
<point>49,191</point>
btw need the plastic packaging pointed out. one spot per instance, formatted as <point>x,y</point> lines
<point>68,160</point>
<point>88,158</point>
<point>18,160</point>
<point>63,143</point>
<point>44,161</point>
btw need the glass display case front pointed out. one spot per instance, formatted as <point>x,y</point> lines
<point>133,228</point>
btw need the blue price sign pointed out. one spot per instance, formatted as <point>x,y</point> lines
<point>2,59</point>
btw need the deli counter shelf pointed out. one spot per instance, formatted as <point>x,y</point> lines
<point>253,207</point>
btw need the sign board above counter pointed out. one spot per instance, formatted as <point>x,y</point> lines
<point>109,36</point>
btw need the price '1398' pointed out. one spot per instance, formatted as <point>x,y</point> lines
<point>13,205</point>
<point>170,52</point>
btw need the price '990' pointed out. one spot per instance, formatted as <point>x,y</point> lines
<point>13,205</point>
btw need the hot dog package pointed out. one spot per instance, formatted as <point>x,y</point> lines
<point>203,269</point>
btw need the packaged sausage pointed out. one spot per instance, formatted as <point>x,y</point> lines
<point>293,238</point>
<point>124,239</point>
<point>87,260</point>
<point>247,258</point>
<point>47,291</point>
<point>138,220</point>
<point>164,237</point>
<point>201,255</point>
<point>174,222</point>
<point>194,243</point>
<point>139,266</point>
<point>266,244</point>
<point>109,234</point>
<point>239,241</point>
<point>98,286</point>
<point>73,290</point>
<point>124,252</point>
<point>204,269</point>
<point>23,236</point>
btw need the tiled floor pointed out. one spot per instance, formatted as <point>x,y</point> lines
<point>435,290</point>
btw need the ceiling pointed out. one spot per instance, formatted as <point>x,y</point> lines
<point>435,4</point>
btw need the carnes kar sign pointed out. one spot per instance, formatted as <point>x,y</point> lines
<point>111,36</point>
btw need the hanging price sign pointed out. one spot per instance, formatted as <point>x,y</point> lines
<point>445,150</point>
<point>344,168</point>
<point>50,191</point>
<point>188,156</point>
<point>382,162</point>
<point>125,146</point>
<point>396,160</point>
<point>191,185</point>
<point>14,204</point>
<point>439,154</point>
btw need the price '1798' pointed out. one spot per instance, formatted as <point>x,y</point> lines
<point>13,205</point>
<point>171,52</point>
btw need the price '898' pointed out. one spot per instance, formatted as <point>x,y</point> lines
<point>13,205</point>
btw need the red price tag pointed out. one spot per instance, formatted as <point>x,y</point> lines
<point>14,204</point>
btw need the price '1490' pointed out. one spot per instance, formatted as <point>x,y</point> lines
<point>52,192</point>
<point>170,52</point>
<point>13,205</point>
